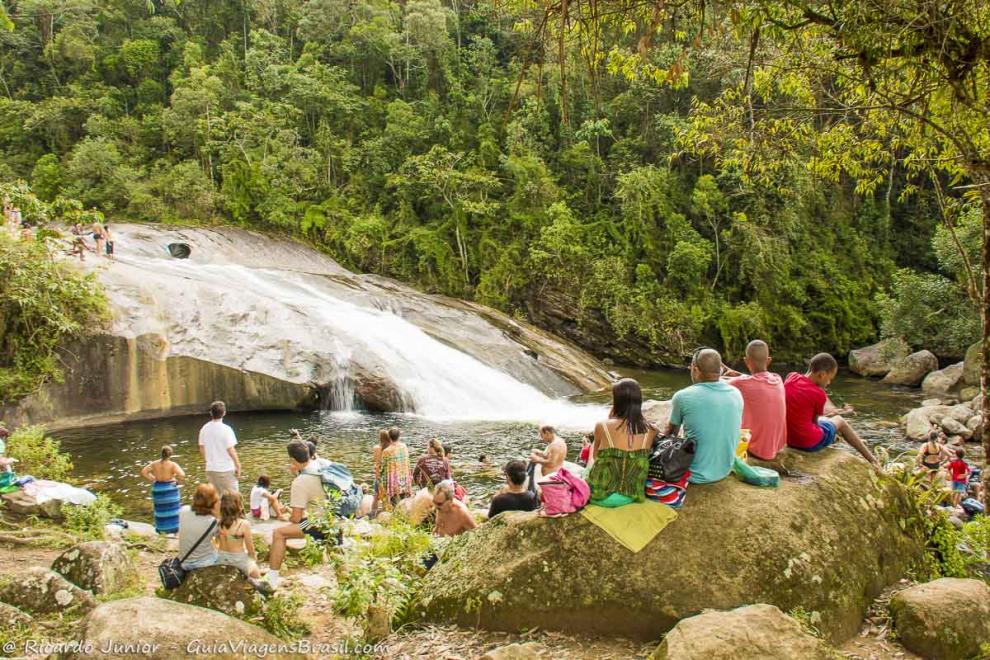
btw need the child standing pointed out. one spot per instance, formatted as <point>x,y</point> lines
<point>959,472</point>
<point>264,503</point>
<point>164,475</point>
<point>235,545</point>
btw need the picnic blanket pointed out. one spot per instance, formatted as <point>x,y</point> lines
<point>633,525</point>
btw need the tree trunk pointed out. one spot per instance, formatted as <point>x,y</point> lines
<point>985,339</point>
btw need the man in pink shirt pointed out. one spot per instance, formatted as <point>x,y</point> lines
<point>764,409</point>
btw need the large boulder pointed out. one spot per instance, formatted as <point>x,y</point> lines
<point>971,366</point>
<point>911,370</point>
<point>22,504</point>
<point>948,619</point>
<point>918,421</point>
<point>160,629</point>
<point>11,617</point>
<point>953,427</point>
<point>41,591</point>
<point>828,542</point>
<point>878,359</point>
<point>943,382</point>
<point>221,588</point>
<point>99,566</point>
<point>753,632</point>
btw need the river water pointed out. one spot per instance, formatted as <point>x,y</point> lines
<point>109,458</point>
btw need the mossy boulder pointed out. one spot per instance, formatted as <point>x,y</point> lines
<point>753,632</point>
<point>99,566</point>
<point>971,366</point>
<point>158,629</point>
<point>827,541</point>
<point>947,619</point>
<point>221,588</point>
<point>41,591</point>
<point>877,359</point>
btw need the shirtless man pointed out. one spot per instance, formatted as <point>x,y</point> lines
<point>453,517</point>
<point>552,458</point>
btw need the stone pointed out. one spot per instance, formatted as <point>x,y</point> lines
<point>975,425</point>
<point>918,422</point>
<point>948,618</point>
<point>943,382</point>
<point>41,591</point>
<point>265,351</point>
<point>931,402</point>
<point>971,366</point>
<point>753,632</point>
<point>971,394</point>
<point>953,427</point>
<point>877,359</point>
<point>134,528</point>
<point>524,651</point>
<point>961,413</point>
<point>160,629</point>
<point>834,542</point>
<point>99,566</point>
<point>221,588</point>
<point>911,370</point>
<point>11,617</point>
<point>657,412</point>
<point>22,504</point>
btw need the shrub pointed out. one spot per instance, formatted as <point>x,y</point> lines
<point>280,616</point>
<point>89,522</point>
<point>39,455</point>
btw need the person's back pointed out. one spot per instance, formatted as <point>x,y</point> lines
<point>764,412</point>
<point>620,457</point>
<point>217,446</point>
<point>198,521</point>
<point>515,497</point>
<point>710,412</point>
<point>805,403</point>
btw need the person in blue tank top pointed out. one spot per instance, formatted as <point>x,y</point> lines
<point>710,412</point>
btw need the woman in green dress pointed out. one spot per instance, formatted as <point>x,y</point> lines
<point>620,454</point>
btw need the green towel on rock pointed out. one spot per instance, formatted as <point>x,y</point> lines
<point>633,525</point>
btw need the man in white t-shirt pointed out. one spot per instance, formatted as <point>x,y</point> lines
<point>216,446</point>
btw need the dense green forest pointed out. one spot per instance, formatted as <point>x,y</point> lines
<point>445,143</point>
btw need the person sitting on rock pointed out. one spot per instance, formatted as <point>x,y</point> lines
<point>453,517</point>
<point>264,503</point>
<point>813,421</point>
<point>164,475</point>
<point>235,544</point>
<point>317,462</point>
<point>709,411</point>
<point>515,496</point>
<point>620,455</point>
<point>432,467</point>
<point>306,500</point>
<point>764,408</point>
<point>196,520</point>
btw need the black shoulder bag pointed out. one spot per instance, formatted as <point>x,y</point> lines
<point>671,457</point>
<point>171,572</point>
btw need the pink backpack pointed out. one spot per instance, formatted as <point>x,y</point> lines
<point>563,493</point>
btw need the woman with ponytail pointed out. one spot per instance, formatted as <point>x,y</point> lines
<point>433,467</point>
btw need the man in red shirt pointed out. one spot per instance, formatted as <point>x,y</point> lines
<point>764,409</point>
<point>813,422</point>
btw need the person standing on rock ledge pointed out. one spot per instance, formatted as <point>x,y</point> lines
<point>216,446</point>
<point>813,421</point>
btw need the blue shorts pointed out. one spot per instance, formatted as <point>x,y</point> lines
<point>828,436</point>
<point>959,486</point>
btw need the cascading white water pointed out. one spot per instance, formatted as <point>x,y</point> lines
<point>323,336</point>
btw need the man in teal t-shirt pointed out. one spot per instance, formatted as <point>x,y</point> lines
<point>710,411</point>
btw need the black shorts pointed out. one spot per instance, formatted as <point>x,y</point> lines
<point>311,530</point>
<point>109,247</point>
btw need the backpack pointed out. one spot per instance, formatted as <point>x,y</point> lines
<point>972,507</point>
<point>671,457</point>
<point>563,493</point>
<point>338,482</point>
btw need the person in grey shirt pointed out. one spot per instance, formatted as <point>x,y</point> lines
<point>193,522</point>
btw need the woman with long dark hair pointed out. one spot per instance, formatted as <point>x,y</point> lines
<point>620,453</point>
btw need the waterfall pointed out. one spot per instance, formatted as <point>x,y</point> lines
<point>273,316</point>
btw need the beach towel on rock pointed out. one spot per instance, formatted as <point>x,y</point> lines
<point>633,525</point>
